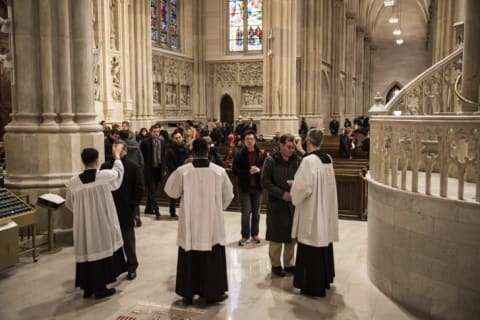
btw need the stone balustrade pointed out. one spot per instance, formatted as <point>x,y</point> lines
<point>425,153</point>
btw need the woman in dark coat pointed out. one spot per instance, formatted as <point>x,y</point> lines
<point>278,170</point>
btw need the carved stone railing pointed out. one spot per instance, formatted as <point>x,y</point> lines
<point>428,154</point>
<point>432,92</point>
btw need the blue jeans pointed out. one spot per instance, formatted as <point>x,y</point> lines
<point>250,203</point>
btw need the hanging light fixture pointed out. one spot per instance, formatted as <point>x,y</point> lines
<point>388,3</point>
<point>399,41</point>
<point>397,31</point>
<point>393,19</point>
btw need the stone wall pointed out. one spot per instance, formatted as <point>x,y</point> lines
<point>424,252</point>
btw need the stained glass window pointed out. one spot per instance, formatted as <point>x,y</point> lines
<point>245,25</point>
<point>164,17</point>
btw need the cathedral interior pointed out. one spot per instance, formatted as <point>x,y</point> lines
<point>410,206</point>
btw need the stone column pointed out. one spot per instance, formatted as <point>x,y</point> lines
<point>124,35</point>
<point>359,70</point>
<point>471,53</point>
<point>337,57</point>
<point>53,75</point>
<point>310,106</point>
<point>443,42</point>
<point>199,66</point>
<point>46,64</point>
<point>82,59</point>
<point>64,69</point>
<point>350,55</point>
<point>26,90</point>
<point>147,61</point>
<point>368,71</point>
<point>279,65</point>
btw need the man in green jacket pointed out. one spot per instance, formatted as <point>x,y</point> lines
<point>277,176</point>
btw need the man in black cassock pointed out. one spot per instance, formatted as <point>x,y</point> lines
<point>205,191</point>
<point>127,198</point>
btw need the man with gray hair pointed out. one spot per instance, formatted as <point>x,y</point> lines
<point>315,223</point>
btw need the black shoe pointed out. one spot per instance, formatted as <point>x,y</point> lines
<point>157,216</point>
<point>290,270</point>
<point>174,216</point>
<point>148,211</point>
<point>308,293</point>
<point>103,293</point>
<point>87,293</point>
<point>188,301</point>
<point>138,222</point>
<point>218,299</point>
<point>278,271</point>
<point>131,275</point>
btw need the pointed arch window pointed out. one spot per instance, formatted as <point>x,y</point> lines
<point>164,23</point>
<point>245,25</point>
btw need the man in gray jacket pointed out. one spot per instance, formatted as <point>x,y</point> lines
<point>277,175</point>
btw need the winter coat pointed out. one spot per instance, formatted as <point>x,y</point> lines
<point>275,173</point>
<point>241,168</point>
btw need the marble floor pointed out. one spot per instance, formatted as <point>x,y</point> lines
<point>45,290</point>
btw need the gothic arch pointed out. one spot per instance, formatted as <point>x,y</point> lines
<point>227,109</point>
<point>389,88</point>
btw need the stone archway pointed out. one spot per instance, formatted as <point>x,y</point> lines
<point>226,109</point>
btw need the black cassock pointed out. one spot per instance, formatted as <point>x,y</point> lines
<point>314,269</point>
<point>202,272</point>
<point>96,274</point>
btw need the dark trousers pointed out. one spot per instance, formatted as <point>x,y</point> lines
<point>128,235</point>
<point>250,203</point>
<point>173,203</point>
<point>153,177</point>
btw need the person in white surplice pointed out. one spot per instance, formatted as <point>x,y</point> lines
<point>96,230</point>
<point>205,191</point>
<point>315,223</point>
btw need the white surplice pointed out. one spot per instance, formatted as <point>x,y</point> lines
<point>205,192</point>
<point>314,194</point>
<point>96,230</point>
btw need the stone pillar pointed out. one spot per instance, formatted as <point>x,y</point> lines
<point>310,106</point>
<point>64,69</point>
<point>337,101</point>
<point>471,52</point>
<point>368,72</point>
<point>443,42</point>
<point>141,65</point>
<point>27,95</point>
<point>124,35</point>
<point>279,65</point>
<point>359,70</point>
<point>52,86</point>
<point>199,66</point>
<point>46,64</point>
<point>350,56</point>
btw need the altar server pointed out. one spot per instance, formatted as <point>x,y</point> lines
<point>315,223</point>
<point>96,231</point>
<point>205,191</point>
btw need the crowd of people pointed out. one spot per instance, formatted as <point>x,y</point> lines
<point>298,178</point>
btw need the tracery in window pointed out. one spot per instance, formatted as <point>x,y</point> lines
<point>164,20</point>
<point>245,25</point>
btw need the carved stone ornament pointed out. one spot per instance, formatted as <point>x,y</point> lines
<point>252,96</point>
<point>115,73</point>
<point>185,96</point>
<point>170,94</point>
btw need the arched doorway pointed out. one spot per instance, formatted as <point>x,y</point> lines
<point>226,109</point>
<point>392,92</point>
